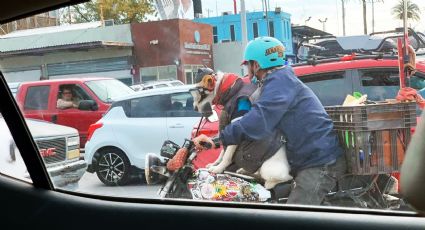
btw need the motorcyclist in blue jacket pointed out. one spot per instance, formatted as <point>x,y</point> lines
<point>287,105</point>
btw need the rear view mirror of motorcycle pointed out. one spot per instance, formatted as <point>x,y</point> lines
<point>206,110</point>
<point>213,117</point>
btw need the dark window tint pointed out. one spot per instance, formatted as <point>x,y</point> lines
<point>182,106</point>
<point>215,35</point>
<point>330,88</point>
<point>417,81</point>
<point>37,98</point>
<point>271,29</point>
<point>379,84</point>
<point>125,105</point>
<point>385,83</point>
<point>78,93</point>
<point>189,78</point>
<point>255,29</point>
<point>232,33</point>
<point>153,106</point>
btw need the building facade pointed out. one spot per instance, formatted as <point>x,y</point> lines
<point>227,28</point>
<point>80,50</point>
<point>171,49</point>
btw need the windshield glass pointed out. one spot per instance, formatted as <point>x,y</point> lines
<point>107,90</point>
<point>312,116</point>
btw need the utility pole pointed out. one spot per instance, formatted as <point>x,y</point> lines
<point>243,29</point>
<point>208,12</point>
<point>343,17</point>
<point>267,17</point>
<point>364,17</point>
<point>216,8</point>
<point>323,23</point>
<point>373,16</point>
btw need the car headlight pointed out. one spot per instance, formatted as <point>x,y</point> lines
<point>73,147</point>
<point>73,141</point>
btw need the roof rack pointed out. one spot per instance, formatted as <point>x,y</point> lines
<point>331,48</point>
<point>315,61</point>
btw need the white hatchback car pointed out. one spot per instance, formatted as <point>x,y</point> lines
<point>136,125</point>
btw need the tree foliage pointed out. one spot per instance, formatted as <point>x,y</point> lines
<point>121,11</point>
<point>413,10</point>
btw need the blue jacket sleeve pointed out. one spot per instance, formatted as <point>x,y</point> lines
<point>279,91</point>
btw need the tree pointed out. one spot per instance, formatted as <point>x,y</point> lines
<point>413,11</point>
<point>121,11</point>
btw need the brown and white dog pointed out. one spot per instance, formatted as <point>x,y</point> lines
<point>273,171</point>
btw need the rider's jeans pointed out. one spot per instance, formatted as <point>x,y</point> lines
<point>312,184</point>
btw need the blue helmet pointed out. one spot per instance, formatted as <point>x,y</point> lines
<point>267,51</point>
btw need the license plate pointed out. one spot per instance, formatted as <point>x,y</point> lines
<point>73,154</point>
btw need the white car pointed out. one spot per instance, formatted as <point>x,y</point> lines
<point>136,125</point>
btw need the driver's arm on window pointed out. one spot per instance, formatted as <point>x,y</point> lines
<point>62,104</point>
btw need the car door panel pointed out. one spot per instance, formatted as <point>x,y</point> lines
<point>181,117</point>
<point>78,119</point>
<point>23,201</point>
<point>142,129</point>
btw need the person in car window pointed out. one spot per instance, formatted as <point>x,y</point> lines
<point>67,99</point>
<point>286,105</point>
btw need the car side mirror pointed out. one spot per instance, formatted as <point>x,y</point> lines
<point>87,105</point>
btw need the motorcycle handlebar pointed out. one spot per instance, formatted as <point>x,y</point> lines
<point>206,145</point>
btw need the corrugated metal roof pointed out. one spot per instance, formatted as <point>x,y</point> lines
<point>118,34</point>
<point>52,29</point>
<point>75,46</point>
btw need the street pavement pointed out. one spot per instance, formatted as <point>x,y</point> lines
<point>90,184</point>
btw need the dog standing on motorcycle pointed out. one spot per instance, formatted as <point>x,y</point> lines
<point>265,158</point>
<point>287,105</point>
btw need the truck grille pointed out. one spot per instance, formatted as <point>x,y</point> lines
<point>53,150</point>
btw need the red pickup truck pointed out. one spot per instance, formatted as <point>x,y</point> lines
<point>92,97</point>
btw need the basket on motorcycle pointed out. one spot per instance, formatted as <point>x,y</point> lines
<point>374,136</point>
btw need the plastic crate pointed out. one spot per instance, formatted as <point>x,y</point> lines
<point>374,152</point>
<point>373,117</point>
<point>374,137</point>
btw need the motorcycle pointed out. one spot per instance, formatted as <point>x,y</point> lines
<point>362,191</point>
<point>187,182</point>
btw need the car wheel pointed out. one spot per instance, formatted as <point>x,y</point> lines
<point>113,167</point>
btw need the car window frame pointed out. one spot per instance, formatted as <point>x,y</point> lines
<point>10,105</point>
<point>27,97</point>
<point>347,81</point>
